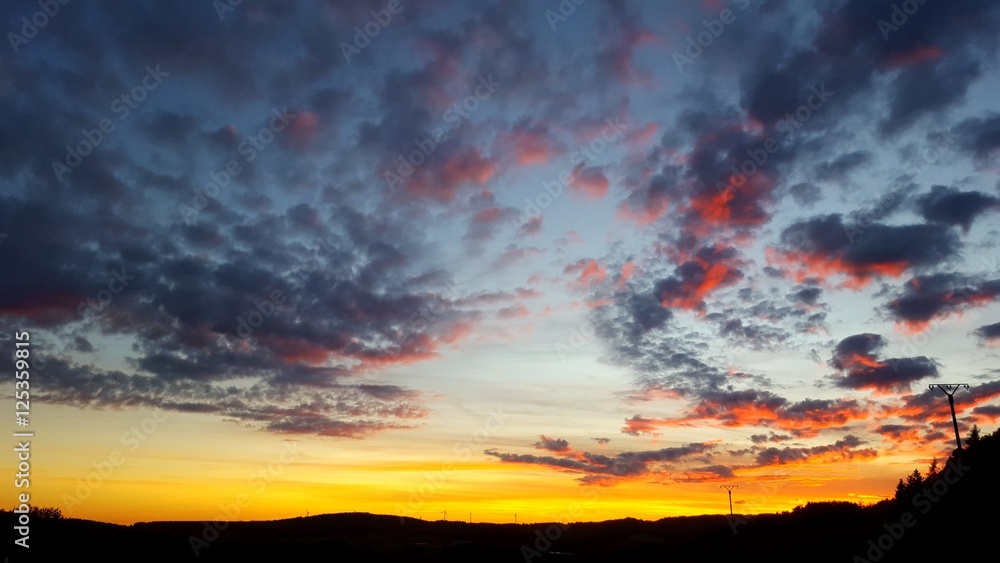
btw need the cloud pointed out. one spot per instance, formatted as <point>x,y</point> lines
<point>608,468</point>
<point>954,207</point>
<point>825,246</point>
<point>938,296</point>
<point>979,136</point>
<point>711,268</point>
<point>546,443</point>
<point>989,333</point>
<point>855,359</point>
<point>589,181</point>
<point>805,194</point>
<point>845,449</point>
<point>751,408</point>
<point>296,401</point>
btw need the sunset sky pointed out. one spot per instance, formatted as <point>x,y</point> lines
<point>572,260</point>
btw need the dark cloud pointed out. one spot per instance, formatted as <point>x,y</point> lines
<point>839,168</point>
<point>989,333</point>
<point>692,281</point>
<point>808,295</point>
<point>855,358</point>
<point>731,408</point>
<point>602,467</point>
<point>846,449</point>
<point>979,136</point>
<point>825,245</point>
<point>955,207</point>
<point>772,437</point>
<point>279,405</point>
<point>805,194</point>
<point>936,296</point>
<point>553,445</point>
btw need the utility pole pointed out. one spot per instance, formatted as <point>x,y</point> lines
<point>729,489</point>
<point>950,389</point>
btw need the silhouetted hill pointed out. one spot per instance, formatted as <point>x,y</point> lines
<point>945,512</point>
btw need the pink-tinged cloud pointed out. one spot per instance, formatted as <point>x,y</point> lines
<point>514,254</point>
<point>468,166</point>
<point>529,145</point>
<point>515,312</point>
<point>628,268</point>
<point>588,272</point>
<point>642,135</point>
<point>589,181</point>
<point>755,409</point>
<point>914,56</point>
<point>648,212</point>
<point>440,177</point>
<point>531,227</point>
<point>489,215</point>
<point>570,238</point>
<point>303,129</point>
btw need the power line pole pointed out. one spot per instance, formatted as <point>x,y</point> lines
<point>950,389</point>
<point>729,489</point>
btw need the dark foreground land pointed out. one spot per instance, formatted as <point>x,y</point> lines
<point>949,513</point>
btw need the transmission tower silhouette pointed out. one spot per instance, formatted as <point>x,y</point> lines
<point>729,489</point>
<point>950,389</point>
